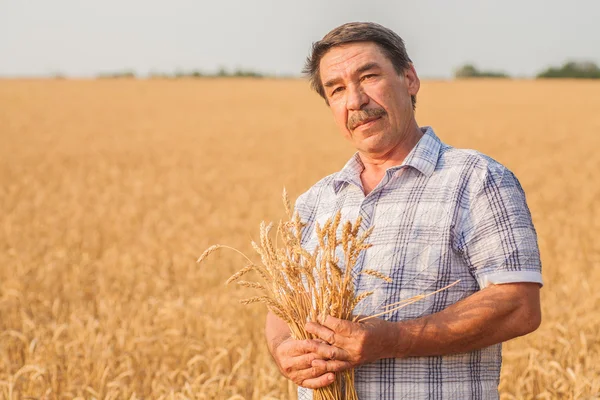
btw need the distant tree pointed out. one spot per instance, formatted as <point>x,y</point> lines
<point>191,74</point>
<point>470,71</point>
<point>466,71</point>
<point>58,75</point>
<point>222,72</point>
<point>247,74</point>
<point>127,74</point>
<point>573,69</point>
<point>158,75</point>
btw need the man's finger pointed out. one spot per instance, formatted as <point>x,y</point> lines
<point>321,332</point>
<point>295,348</point>
<point>331,365</point>
<point>328,352</point>
<point>309,373</point>
<point>338,325</point>
<point>321,381</point>
<point>305,361</point>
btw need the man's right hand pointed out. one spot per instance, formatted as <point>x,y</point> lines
<point>294,359</point>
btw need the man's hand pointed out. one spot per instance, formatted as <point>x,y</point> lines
<point>295,361</point>
<point>295,357</point>
<point>353,343</point>
<point>493,315</point>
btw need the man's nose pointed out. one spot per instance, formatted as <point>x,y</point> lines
<point>357,98</point>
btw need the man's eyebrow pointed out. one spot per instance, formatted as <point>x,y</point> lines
<point>364,68</point>
<point>332,82</point>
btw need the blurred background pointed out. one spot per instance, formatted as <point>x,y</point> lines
<point>134,134</point>
<point>272,38</point>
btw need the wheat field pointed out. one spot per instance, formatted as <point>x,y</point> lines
<point>111,189</point>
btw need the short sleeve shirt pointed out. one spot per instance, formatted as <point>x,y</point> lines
<point>443,215</point>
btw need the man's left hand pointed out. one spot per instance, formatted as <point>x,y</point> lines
<point>354,343</point>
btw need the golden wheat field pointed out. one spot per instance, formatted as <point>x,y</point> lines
<point>111,189</point>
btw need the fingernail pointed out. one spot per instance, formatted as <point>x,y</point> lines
<point>330,378</point>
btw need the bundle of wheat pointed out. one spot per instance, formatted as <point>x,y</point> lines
<point>301,286</point>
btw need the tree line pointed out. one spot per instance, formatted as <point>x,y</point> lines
<point>221,73</point>
<point>570,69</point>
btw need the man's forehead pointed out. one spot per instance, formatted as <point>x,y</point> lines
<point>350,58</point>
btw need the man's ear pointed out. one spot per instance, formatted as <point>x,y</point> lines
<point>412,80</point>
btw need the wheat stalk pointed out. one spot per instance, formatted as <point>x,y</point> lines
<point>299,286</point>
<point>377,274</point>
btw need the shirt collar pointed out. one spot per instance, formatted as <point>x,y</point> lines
<point>423,157</point>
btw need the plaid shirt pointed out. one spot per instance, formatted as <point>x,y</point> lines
<point>444,214</point>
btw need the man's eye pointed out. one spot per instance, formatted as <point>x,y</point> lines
<point>337,90</point>
<point>368,76</point>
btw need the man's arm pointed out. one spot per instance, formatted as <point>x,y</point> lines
<point>295,357</point>
<point>276,331</point>
<point>492,315</point>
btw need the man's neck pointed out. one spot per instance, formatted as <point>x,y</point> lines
<point>377,164</point>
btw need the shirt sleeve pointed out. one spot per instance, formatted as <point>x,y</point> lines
<point>497,238</point>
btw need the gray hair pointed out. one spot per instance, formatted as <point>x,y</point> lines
<point>390,43</point>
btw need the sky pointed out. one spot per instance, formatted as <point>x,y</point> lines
<point>84,38</point>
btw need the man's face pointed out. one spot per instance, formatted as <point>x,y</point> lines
<point>370,101</point>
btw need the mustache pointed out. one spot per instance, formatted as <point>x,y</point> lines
<point>360,116</point>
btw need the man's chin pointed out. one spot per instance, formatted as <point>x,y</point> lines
<point>372,138</point>
<point>367,138</point>
<point>372,147</point>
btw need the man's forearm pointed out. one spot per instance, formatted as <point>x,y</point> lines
<point>276,331</point>
<point>493,315</point>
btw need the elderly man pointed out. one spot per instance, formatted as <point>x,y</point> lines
<point>440,215</point>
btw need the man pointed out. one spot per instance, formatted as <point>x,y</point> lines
<point>439,214</point>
